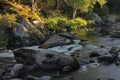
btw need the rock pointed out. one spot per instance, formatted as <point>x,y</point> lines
<point>38,78</point>
<point>46,78</point>
<point>15,71</point>
<point>46,59</point>
<point>25,56</point>
<point>96,18</point>
<point>3,48</point>
<point>21,31</point>
<point>113,27</point>
<point>24,35</point>
<point>105,79</point>
<point>113,50</point>
<point>94,54</point>
<point>112,18</point>
<point>38,24</point>
<point>106,59</point>
<point>1,79</point>
<point>115,34</point>
<point>68,35</point>
<point>2,72</point>
<point>55,40</point>
<point>69,78</point>
<point>97,30</point>
<point>34,67</point>
<point>15,79</point>
<point>5,72</point>
<point>27,24</point>
<point>30,77</point>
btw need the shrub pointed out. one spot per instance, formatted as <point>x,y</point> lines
<point>77,23</point>
<point>72,24</point>
<point>57,23</point>
<point>7,20</point>
<point>62,21</point>
<point>80,22</point>
<point>51,23</point>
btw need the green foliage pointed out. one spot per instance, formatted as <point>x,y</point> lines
<point>102,2</point>
<point>77,23</point>
<point>4,40</point>
<point>114,6</point>
<point>103,12</point>
<point>52,23</point>
<point>62,22</point>
<point>83,5</point>
<point>90,23</point>
<point>7,20</point>
<point>58,23</point>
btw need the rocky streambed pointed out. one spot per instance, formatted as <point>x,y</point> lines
<point>98,59</point>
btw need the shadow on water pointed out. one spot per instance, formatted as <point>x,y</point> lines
<point>102,71</point>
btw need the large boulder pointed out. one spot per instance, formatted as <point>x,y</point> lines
<point>115,34</point>
<point>96,18</point>
<point>55,40</point>
<point>24,35</point>
<point>114,29</point>
<point>27,24</point>
<point>21,31</point>
<point>112,18</point>
<point>46,59</point>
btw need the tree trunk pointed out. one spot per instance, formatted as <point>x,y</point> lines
<point>34,5</point>
<point>74,11</point>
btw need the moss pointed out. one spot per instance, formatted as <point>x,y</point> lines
<point>4,40</point>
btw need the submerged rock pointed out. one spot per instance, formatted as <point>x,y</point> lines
<point>30,77</point>
<point>46,59</point>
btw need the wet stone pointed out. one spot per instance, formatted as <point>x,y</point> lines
<point>69,78</point>
<point>105,79</point>
<point>94,54</point>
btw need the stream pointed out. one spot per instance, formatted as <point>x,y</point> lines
<point>91,71</point>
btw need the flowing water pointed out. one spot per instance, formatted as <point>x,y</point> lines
<point>87,71</point>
